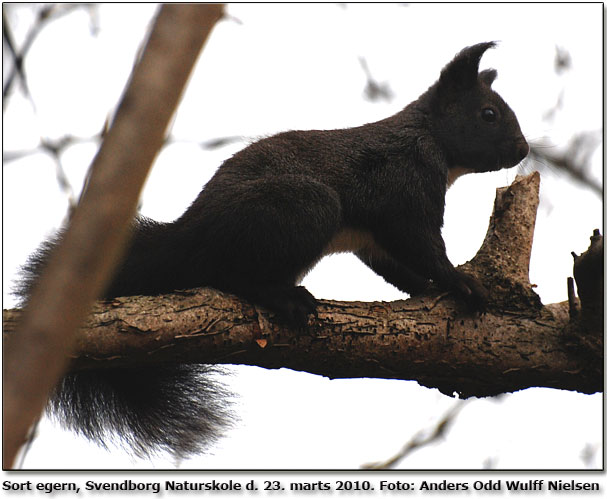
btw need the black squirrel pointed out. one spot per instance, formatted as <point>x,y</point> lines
<point>269,214</point>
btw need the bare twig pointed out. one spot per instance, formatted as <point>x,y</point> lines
<point>374,90</point>
<point>574,306</point>
<point>575,160</point>
<point>46,14</point>
<point>421,439</point>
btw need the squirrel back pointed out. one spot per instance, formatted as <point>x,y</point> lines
<point>270,213</point>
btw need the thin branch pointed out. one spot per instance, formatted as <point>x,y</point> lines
<point>375,91</point>
<point>575,160</point>
<point>421,439</point>
<point>46,14</point>
<point>35,358</point>
<point>574,306</point>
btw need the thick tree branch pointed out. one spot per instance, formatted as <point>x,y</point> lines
<point>35,358</point>
<point>517,343</point>
<point>428,339</point>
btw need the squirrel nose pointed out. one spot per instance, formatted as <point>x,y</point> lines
<point>522,149</point>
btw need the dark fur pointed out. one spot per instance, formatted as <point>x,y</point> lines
<point>275,208</point>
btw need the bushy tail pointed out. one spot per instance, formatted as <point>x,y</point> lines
<point>173,408</point>
<point>32,268</point>
<point>176,409</point>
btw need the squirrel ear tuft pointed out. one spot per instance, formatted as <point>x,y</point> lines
<point>462,71</point>
<point>487,76</point>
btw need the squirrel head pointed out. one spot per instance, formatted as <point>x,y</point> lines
<point>476,128</point>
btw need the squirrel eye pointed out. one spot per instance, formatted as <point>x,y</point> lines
<point>489,115</point>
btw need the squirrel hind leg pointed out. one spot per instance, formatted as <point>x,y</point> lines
<point>280,227</point>
<point>292,305</point>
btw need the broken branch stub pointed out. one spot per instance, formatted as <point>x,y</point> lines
<point>503,259</point>
<point>588,272</point>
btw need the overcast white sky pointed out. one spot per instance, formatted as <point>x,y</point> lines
<point>279,67</point>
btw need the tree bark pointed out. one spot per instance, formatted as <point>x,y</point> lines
<point>517,343</point>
